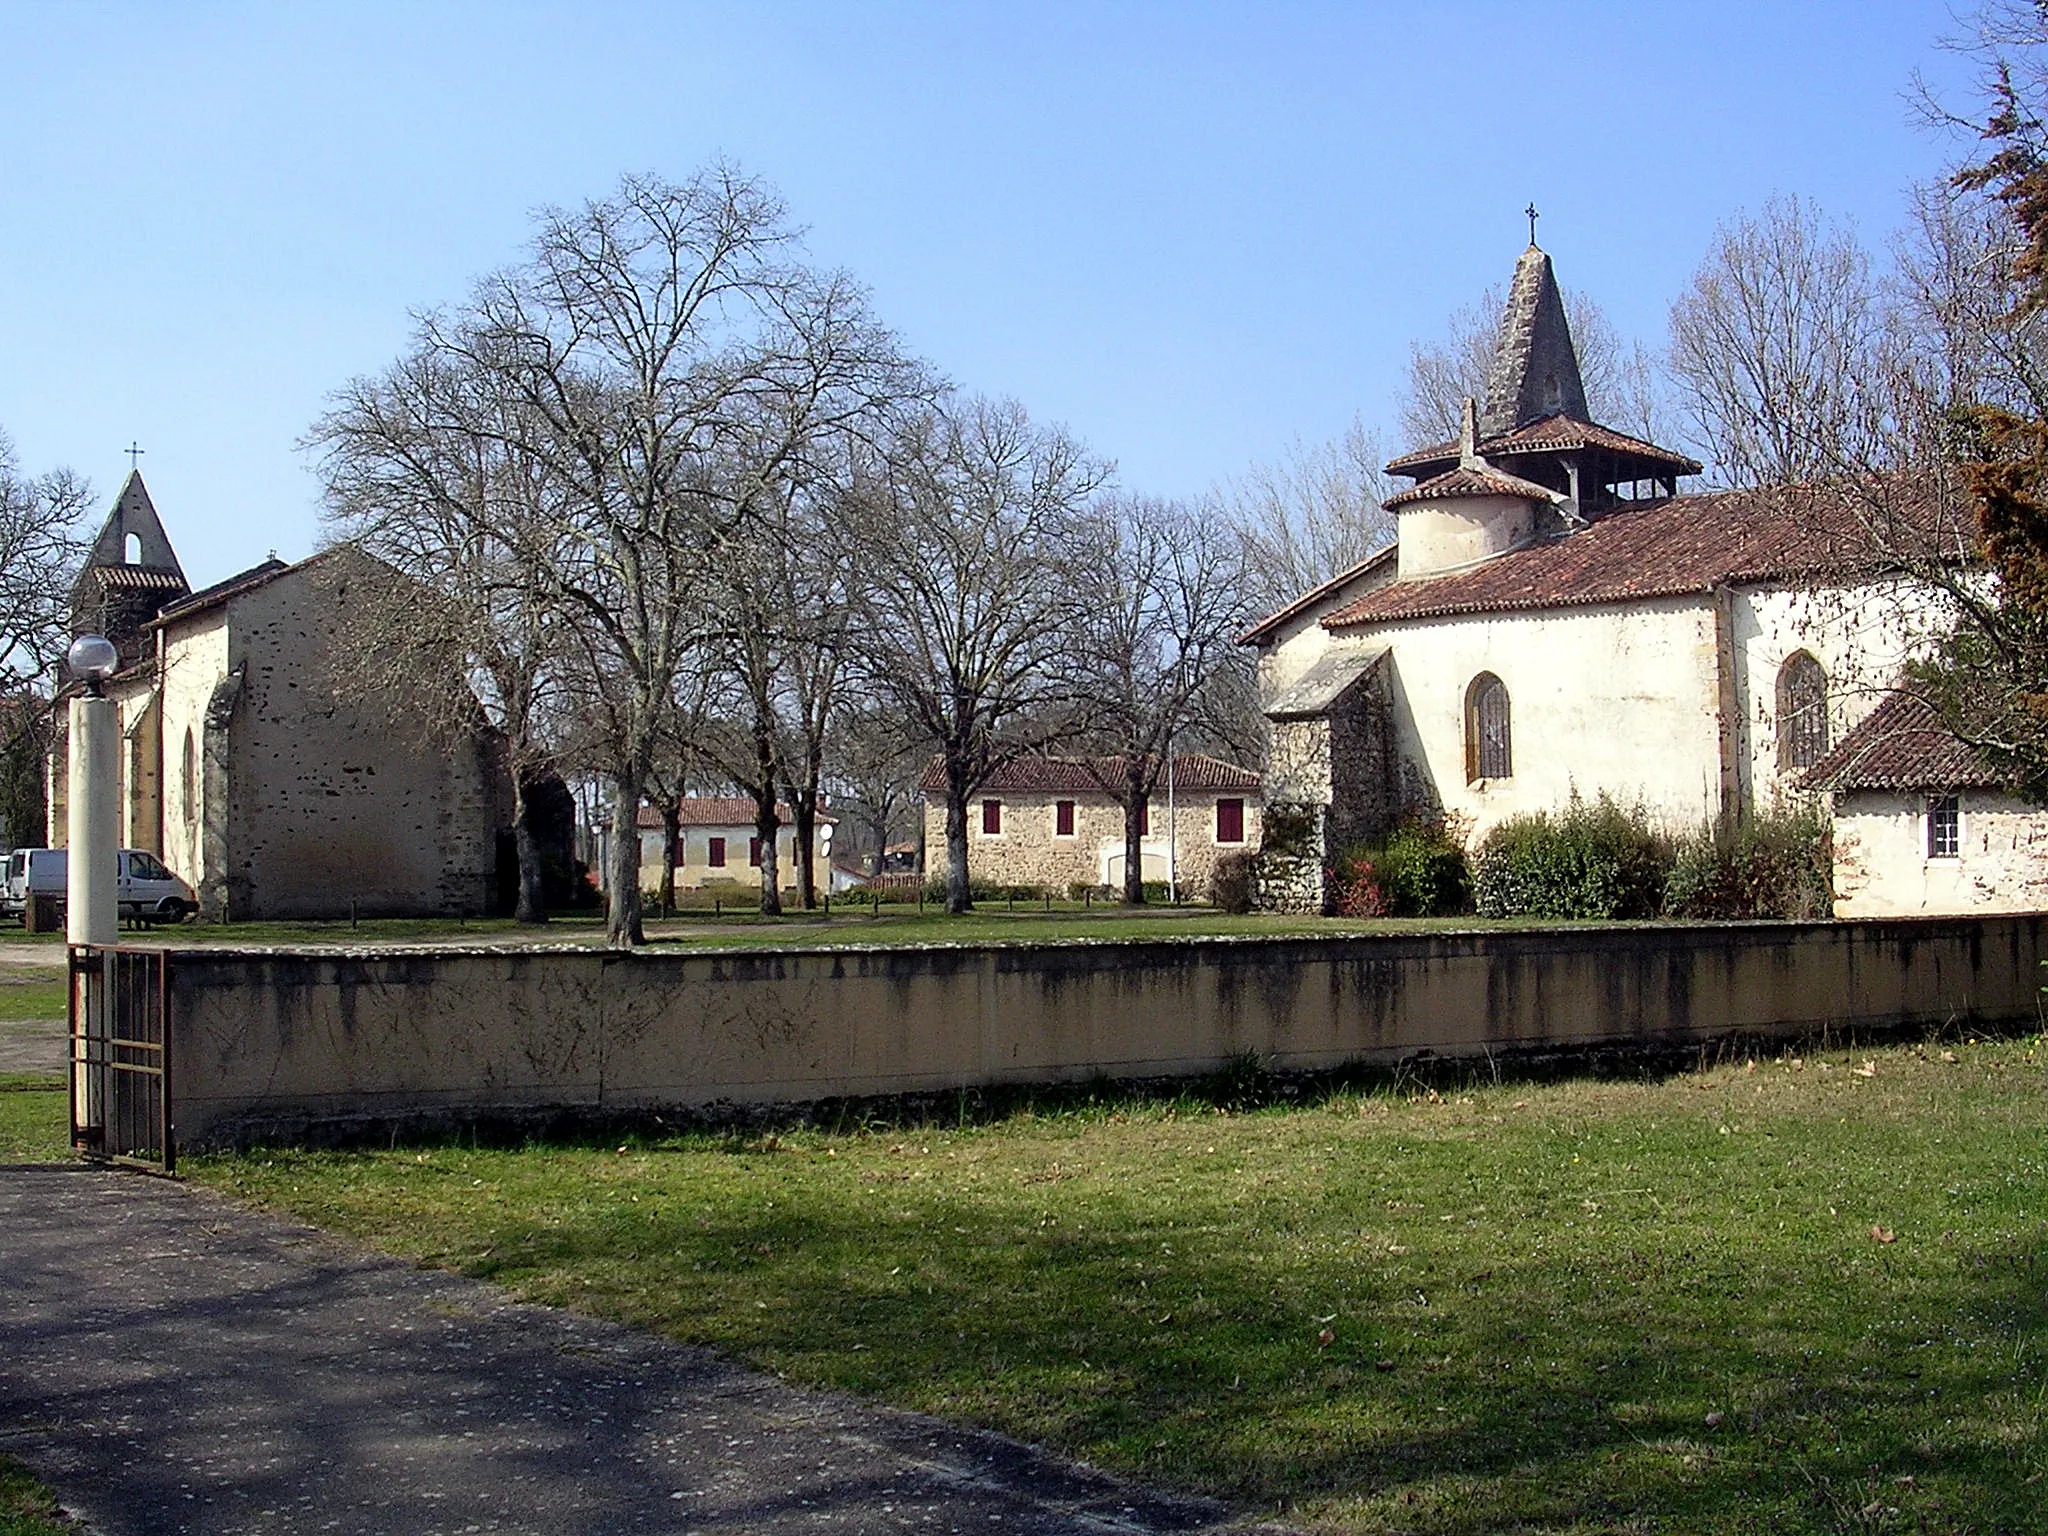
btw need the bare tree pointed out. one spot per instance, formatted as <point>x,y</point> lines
<point>1622,384</point>
<point>1781,350</point>
<point>973,531</point>
<point>425,469</point>
<point>877,761</point>
<point>1167,604</point>
<point>40,550</point>
<point>645,344</point>
<point>1310,515</point>
<point>1969,335</point>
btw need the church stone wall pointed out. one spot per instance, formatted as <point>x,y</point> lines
<point>195,660</point>
<point>333,808</point>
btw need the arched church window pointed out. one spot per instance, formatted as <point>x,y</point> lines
<point>1802,711</point>
<point>1489,746</point>
<point>131,549</point>
<point>188,784</point>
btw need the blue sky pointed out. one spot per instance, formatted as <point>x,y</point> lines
<point>1193,233</point>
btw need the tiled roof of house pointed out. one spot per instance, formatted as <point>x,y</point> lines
<point>1683,544</point>
<point>1384,555</point>
<point>722,811</point>
<point>1086,776</point>
<point>1552,434</point>
<point>1901,744</point>
<point>1470,482</point>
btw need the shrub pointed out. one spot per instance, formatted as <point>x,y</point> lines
<point>1422,871</point>
<point>1355,887</point>
<point>1591,860</point>
<point>1231,886</point>
<point>1776,863</point>
<point>984,890</point>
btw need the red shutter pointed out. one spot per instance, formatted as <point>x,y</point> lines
<point>717,855</point>
<point>1229,821</point>
<point>754,852</point>
<point>991,817</point>
<point>1145,819</point>
<point>1063,824</point>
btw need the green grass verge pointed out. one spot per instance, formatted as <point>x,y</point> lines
<point>27,1508</point>
<point>31,999</point>
<point>34,1127</point>
<point>1797,1296</point>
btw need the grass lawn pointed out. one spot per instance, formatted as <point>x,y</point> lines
<point>27,1508</point>
<point>33,1125</point>
<point>39,998</point>
<point>1798,1295</point>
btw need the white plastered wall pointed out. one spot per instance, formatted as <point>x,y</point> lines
<point>1620,698</point>
<point>195,659</point>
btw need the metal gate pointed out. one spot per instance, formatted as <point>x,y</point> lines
<point>120,1009</point>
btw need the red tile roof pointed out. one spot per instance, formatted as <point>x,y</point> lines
<point>1090,776</point>
<point>1470,482</point>
<point>1680,545</point>
<point>1553,434</point>
<point>1901,744</point>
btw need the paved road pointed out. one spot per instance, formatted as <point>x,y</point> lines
<point>172,1363</point>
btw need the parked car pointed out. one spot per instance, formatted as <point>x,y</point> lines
<point>148,892</point>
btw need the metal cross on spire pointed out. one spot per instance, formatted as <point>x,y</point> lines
<point>1531,211</point>
<point>133,452</point>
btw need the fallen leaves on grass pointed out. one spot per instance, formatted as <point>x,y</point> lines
<point>1882,1234</point>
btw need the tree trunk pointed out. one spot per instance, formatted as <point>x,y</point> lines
<point>804,818</point>
<point>765,828</point>
<point>532,906</point>
<point>957,899</point>
<point>671,847</point>
<point>1134,846</point>
<point>879,860</point>
<point>622,879</point>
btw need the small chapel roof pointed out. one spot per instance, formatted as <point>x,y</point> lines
<point>1333,675</point>
<point>1902,744</point>
<point>1466,480</point>
<point>221,591</point>
<point>1382,556</point>
<point>1682,544</point>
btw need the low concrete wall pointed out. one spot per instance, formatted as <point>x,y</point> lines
<point>274,1038</point>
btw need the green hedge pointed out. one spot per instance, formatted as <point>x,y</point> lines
<point>1596,859</point>
<point>1776,863</point>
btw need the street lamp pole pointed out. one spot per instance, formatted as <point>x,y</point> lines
<point>92,913</point>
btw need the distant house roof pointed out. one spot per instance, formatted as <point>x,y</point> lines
<point>722,811</point>
<point>1384,555</point>
<point>1464,481</point>
<point>1093,775</point>
<point>1902,744</point>
<point>1683,544</point>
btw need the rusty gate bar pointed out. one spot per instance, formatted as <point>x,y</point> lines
<point>120,1014</point>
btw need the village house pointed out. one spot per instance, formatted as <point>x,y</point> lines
<point>1922,825</point>
<point>1051,823</point>
<point>245,768</point>
<point>720,846</point>
<point>1554,617</point>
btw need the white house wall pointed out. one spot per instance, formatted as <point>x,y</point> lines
<point>1882,868</point>
<point>195,660</point>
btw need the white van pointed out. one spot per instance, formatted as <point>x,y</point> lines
<point>148,892</point>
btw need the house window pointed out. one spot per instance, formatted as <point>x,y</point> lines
<point>754,852</point>
<point>1944,827</point>
<point>1063,819</point>
<point>1802,711</point>
<point>188,786</point>
<point>1489,744</point>
<point>715,852</point>
<point>1229,821</point>
<point>991,818</point>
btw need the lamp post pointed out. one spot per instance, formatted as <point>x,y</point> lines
<point>92,913</point>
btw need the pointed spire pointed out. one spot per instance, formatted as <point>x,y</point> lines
<point>134,515</point>
<point>1535,366</point>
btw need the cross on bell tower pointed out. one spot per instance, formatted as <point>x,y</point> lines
<point>134,453</point>
<point>1531,211</point>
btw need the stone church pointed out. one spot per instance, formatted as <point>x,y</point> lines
<point>1555,616</point>
<point>244,764</point>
